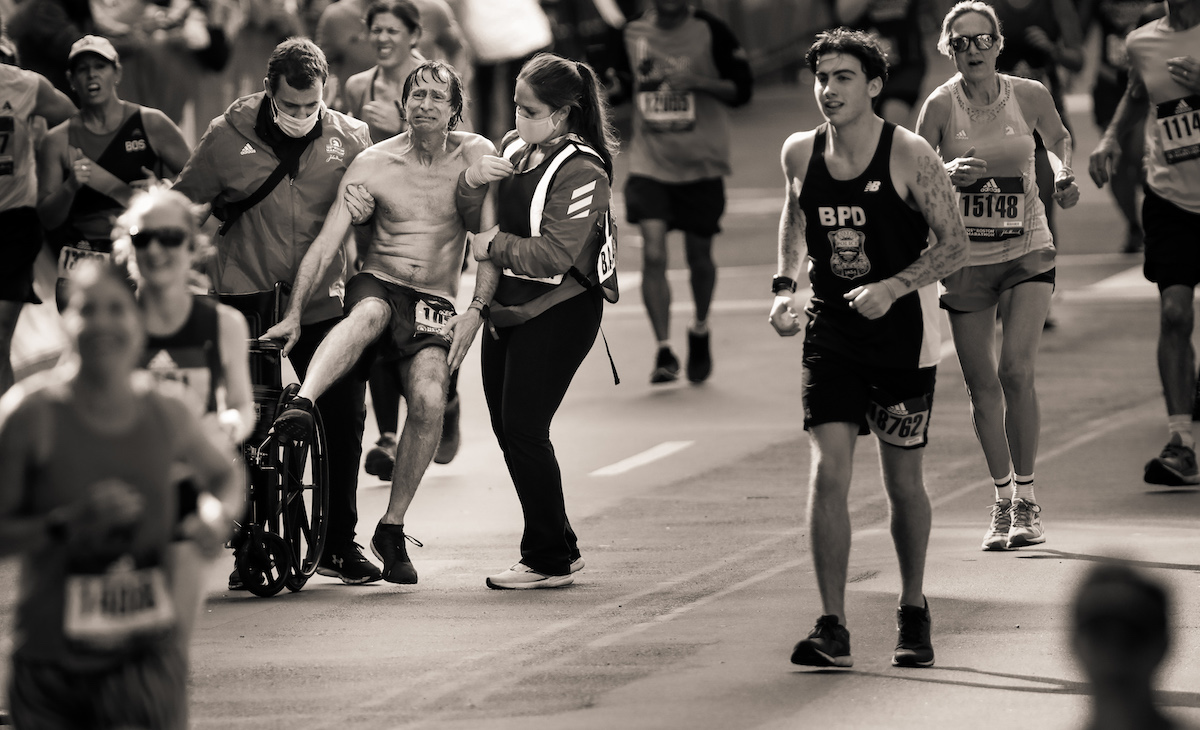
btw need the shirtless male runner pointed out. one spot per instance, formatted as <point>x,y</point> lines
<point>402,301</point>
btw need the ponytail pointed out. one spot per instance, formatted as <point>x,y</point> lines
<point>560,82</point>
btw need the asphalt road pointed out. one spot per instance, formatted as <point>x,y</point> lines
<point>689,502</point>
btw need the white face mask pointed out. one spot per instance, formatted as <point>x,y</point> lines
<point>293,126</point>
<point>536,131</point>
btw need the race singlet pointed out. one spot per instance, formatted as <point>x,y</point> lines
<point>994,208</point>
<point>667,110</point>
<point>112,610</point>
<point>74,254</point>
<point>1179,129</point>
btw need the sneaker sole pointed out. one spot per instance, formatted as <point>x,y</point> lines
<point>374,551</point>
<point>807,656</point>
<point>910,662</point>
<point>663,376</point>
<point>331,573</point>
<point>1159,473</point>
<point>993,546</point>
<point>550,581</point>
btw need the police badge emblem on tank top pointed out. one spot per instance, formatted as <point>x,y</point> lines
<point>849,259</point>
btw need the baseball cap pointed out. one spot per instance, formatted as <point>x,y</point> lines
<point>98,45</point>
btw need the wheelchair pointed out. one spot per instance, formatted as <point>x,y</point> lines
<point>278,542</point>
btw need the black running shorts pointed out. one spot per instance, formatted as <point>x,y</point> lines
<point>414,318</point>
<point>21,243</point>
<point>1172,243</point>
<point>896,401</point>
<point>694,207</point>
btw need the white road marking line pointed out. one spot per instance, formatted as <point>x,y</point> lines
<point>661,451</point>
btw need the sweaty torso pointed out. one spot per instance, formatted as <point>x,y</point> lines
<point>418,237</point>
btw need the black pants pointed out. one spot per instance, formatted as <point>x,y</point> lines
<point>344,413</point>
<point>526,372</point>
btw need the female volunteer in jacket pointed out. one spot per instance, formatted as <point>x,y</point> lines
<point>553,202</point>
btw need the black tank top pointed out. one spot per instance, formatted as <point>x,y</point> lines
<point>187,364</point>
<point>861,231</point>
<point>123,153</point>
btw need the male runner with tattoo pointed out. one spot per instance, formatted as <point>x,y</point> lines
<point>862,196</point>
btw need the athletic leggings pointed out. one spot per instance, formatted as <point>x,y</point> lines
<point>526,372</point>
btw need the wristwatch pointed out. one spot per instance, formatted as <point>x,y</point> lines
<point>779,283</point>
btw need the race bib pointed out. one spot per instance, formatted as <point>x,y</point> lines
<point>70,257</point>
<point>1179,129</point>
<point>994,208</point>
<point>431,316</point>
<point>7,159</point>
<point>606,260</point>
<point>113,609</point>
<point>666,110</point>
<point>903,424</point>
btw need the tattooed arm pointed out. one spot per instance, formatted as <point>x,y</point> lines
<point>919,176</point>
<point>795,156</point>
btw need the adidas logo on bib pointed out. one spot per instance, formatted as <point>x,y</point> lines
<point>1183,107</point>
<point>962,134</point>
<point>990,187</point>
<point>248,150</point>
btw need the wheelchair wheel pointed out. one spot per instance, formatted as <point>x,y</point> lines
<point>304,485</point>
<point>264,562</point>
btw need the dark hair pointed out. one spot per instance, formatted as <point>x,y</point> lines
<point>855,43</point>
<point>1118,594</point>
<point>298,60</point>
<point>402,9</point>
<point>443,73</point>
<point>560,82</point>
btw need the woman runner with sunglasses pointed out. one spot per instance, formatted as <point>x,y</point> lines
<point>982,123</point>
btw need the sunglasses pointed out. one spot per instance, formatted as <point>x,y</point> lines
<point>166,237</point>
<point>983,42</point>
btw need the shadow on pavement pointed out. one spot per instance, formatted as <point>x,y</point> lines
<point>1106,559</point>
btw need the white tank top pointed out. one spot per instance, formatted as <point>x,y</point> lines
<point>1003,215</point>
<point>18,171</point>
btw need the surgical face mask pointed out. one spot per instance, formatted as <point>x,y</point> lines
<point>293,126</point>
<point>536,131</point>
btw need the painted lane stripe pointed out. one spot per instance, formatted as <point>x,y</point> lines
<point>661,451</point>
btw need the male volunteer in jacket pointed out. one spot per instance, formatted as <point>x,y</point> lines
<point>286,124</point>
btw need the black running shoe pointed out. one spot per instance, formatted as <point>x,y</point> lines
<point>235,581</point>
<point>381,459</point>
<point>699,362</point>
<point>448,446</point>
<point>296,421</point>
<point>828,645</point>
<point>349,564</point>
<point>666,367</point>
<point>913,648</point>
<point>388,546</point>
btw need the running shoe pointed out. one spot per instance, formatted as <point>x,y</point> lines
<point>381,459</point>
<point>448,446</point>
<point>828,645</point>
<point>577,565</point>
<point>997,534</point>
<point>1026,526</point>
<point>349,564</point>
<point>388,546</point>
<point>666,367</point>
<point>235,581</point>
<point>296,421</point>
<point>523,577</point>
<point>913,648</point>
<point>1175,466</point>
<point>699,361</point>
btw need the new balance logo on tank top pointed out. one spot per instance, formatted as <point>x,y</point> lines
<point>861,231</point>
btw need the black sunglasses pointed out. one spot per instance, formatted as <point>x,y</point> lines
<point>983,42</point>
<point>166,237</point>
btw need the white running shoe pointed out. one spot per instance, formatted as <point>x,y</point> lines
<point>997,534</point>
<point>522,577</point>
<point>1026,524</point>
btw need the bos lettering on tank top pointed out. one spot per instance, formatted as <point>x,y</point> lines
<point>187,364</point>
<point>861,231</point>
<point>1173,129</point>
<point>18,170</point>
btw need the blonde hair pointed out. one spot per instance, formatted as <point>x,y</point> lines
<point>143,202</point>
<point>961,9</point>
